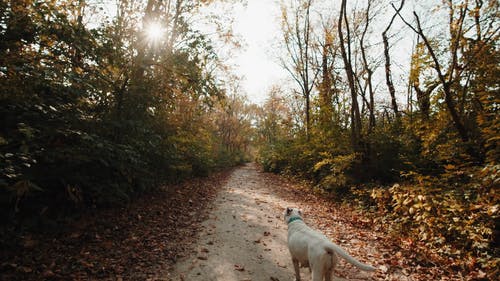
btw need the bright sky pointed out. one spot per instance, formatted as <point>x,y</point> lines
<point>258,24</point>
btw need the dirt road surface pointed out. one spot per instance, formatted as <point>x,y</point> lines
<point>244,238</point>
<point>226,227</point>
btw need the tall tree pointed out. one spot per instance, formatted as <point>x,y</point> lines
<point>367,68</point>
<point>297,33</point>
<point>62,83</point>
<point>388,73</point>
<point>345,48</point>
<point>325,85</point>
<point>452,73</point>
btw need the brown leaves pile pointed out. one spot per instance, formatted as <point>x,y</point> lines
<point>132,243</point>
<point>397,257</point>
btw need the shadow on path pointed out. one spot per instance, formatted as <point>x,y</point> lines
<point>244,237</point>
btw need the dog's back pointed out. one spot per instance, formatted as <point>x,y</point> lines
<point>312,248</point>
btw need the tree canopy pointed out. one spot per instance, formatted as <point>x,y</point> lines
<point>95,109</point>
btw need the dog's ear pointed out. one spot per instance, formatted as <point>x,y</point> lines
<point>300,212</point>
<point>288,211</point>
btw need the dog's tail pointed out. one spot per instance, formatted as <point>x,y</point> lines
<point>334,248</point>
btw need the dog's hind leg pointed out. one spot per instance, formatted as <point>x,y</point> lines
<point>306,264</point>
<point>318,275</point>
<point>318,271</point>
<point>328,262</point>
<point>297,269</point>
<point>329,271</point>
<point>328,274</point>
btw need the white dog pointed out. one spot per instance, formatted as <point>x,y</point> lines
<point>311,248</point>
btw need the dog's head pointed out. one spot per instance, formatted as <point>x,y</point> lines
<point>292,213</point>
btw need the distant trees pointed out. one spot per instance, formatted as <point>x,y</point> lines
<point>234,127</point>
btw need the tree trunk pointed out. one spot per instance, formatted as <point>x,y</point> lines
<point>297,43</point>
<point>388,74</point>
<point>346,57</point>
<point>325,92</point>
<point>371,102</point>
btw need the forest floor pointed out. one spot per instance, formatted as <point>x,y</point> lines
<point>244,237</point>
<point>225,227</point>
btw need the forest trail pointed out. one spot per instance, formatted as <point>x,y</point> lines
<point>244,237</point>
<point>225,227</point>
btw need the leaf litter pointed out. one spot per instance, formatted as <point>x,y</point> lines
<point>150,235</point>
<point>129,243</point>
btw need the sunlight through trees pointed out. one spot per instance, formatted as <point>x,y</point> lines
<point>155,31</point>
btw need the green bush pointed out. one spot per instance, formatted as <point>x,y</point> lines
<point>333,172</point>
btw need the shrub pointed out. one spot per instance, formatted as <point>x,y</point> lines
<point>333,172</point>
<point>456,219</point>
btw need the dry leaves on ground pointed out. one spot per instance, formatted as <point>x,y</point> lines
<point>130,243</point>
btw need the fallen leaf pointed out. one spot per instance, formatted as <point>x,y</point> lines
<point>48,274</point>
<point>29,243</point>
<point>26,269</point>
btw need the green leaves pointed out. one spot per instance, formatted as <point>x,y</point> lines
<point>93,117</point>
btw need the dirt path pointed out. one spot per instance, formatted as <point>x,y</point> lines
<point>226,227</point>
<point>245,236</point>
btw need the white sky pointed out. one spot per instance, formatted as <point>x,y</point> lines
<point>258,23</point>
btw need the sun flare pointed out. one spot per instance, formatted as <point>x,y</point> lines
<point>154,31</point>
